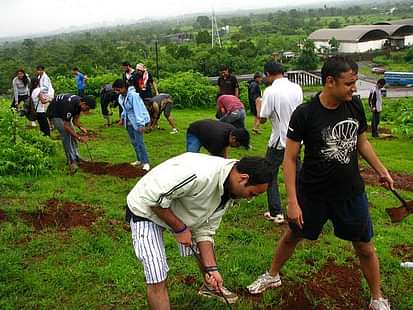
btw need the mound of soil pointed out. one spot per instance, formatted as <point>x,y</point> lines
<point>61,215</point>
<point>333,284</point>
<point>2,215</point>
<point>124,170</point>
<point>403,251</point>
<point>402,181</point>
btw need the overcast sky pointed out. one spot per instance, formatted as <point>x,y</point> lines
<point>22,17</point>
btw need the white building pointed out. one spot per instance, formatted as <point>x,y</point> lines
<point>363,38</point>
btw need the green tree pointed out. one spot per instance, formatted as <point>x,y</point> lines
<point>203,21</point>
<point>335,24</point>
<point>307,60</point>
<point>203,37</point>
<point>334,45</point>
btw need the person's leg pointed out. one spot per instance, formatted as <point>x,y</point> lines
<point>374,129</point>
<point>273,195</point>
<point>284,250</point>
<point>369,264</point>
<point>158,298</point>
<point>64,137</point>
<point>377,123</point>
<point>131,133</point>
<point>192,143</point>
<point>105,110</point>
<point>168,116</point>
<point>140,147</point>
<point>150,250</point>
<point>43,123</point>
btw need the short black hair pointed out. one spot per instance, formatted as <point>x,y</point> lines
<point>273,68</point>
<point>126,63</point>
<point>90,101</point>
<point>242,136</point>
<point>336,65</point>
<point>381,82</point>
<point>39,67</point>
<point>259,169</point>
<point>224,67</point>
<point>119,83</point>
<point>75,69</point>
<point>257,75</point>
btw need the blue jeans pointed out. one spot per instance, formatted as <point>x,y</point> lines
<point>192,143</point>
<point>276,157</point>
<point>136,139</point>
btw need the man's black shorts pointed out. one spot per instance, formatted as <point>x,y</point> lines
<point>351,218</point>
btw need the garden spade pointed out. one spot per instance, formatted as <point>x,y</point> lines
<point>198,258</point>
<point>398,214</point>
<point>90,154</point>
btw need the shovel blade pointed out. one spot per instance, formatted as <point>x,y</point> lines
<point>397,214</point>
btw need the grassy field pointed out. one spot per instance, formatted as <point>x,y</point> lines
<point>95,267</point>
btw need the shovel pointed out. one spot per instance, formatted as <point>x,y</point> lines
<point>398,214</point>
<point>90,154</point>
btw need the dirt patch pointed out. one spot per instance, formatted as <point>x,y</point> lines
<point>339,284</point>
<point>3,215</point>
<point>402,181</point>
<point>296,297</point>
<point>61,215</point>
<point>124,170</point>
<point>403,251</point>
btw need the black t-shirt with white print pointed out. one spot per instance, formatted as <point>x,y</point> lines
<point>65,107</point>
<point>330,168</point>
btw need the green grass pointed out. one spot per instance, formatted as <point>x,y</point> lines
<point>96,267</point>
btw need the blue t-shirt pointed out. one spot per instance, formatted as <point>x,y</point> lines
<point>80,80</point>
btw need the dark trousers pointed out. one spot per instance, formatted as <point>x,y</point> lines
<point>375,120</point>
<point>276,157</point>
<point>43,123</point>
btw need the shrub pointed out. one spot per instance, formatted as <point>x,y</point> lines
<point>63,84</point>
<point>189,89</point>
<point>22,152</point>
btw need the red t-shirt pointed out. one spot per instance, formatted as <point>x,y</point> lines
<point>230,103</point>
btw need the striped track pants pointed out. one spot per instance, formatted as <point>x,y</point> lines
<point>147,238</point>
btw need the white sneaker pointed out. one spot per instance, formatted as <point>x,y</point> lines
<point>146,167</point>
<point>34,124</point>
<point>268,216</point>
<point>264,282</point>
<point>136,163</point>
<point>279,219</point>
<point>379,304</point>
<point>174,131</point>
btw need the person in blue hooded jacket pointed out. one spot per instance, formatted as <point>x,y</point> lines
<point>134,117</point>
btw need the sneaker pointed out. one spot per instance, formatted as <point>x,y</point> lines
<point>210,292</point>
<point>174,131</point>
<point>146,167</point>
<point>379,304</point>
<point>136,163</point>
<point>73,167</point>
<point>264,282</point>
<point>279,219</point>
<point>268,216</point>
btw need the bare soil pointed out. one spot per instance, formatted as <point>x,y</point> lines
<point>402,181</point>
<point>123,170</point>
<point>62,216</point>
<point>333,287</point>
<point>403,251</point>
<point>3,215</point>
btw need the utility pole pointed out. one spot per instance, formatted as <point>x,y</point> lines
<point>215,31</point>
<point>156,59</point>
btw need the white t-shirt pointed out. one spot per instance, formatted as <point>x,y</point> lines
<point>40,107</point>
<point>278,104</point>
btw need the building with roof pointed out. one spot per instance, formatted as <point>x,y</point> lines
<point>363,38</point>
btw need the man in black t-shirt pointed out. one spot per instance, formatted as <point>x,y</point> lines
<point>227,83</point>
<point>216,137</point>
<point>254,100</point>
<point>332,128</point>
<point>144,83</point>
<point>108,97</point>
<point>64,111</point>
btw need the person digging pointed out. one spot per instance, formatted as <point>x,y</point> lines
<point>64,112</point>
<point>216,137</point>
<point>332,127</point>
<point>188,196</point>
